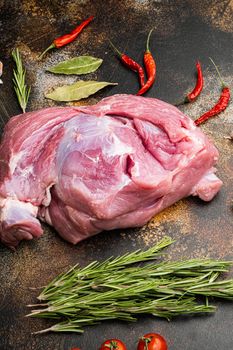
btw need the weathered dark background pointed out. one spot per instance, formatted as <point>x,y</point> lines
<point>184,31</point>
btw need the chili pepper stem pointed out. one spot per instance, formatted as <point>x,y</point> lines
<point>185,100</point>
<point>148,40</point>
<point>219,75</point>
<point>52,46</point>
<point>115,49</point>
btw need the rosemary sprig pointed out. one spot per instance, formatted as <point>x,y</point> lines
<point>96,269</point>
<point>126,311</point>
<point>21,89</point>
<point>82,281</point>
<point>72,304</point>
<point>119,289</point>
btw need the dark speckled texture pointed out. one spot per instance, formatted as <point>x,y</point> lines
<point>184,31</point>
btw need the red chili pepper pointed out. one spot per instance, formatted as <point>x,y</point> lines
<point>68,38</point>
<point>150,65</point>
<point>192,96</point>
<point>130,63</point>
<point>220,106</point>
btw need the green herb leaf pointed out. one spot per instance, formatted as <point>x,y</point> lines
<point>77,65</point>
<point>21,89</point>
<point>77,91</point>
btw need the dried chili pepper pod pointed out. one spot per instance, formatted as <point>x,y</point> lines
<point>67,38</point>
<point>192,96</point>
<point>222,103</point>
<point>130,63</point>
<point>150,66</point>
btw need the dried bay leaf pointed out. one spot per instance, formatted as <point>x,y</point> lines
<point>77,91</point>
<point>77,65</point>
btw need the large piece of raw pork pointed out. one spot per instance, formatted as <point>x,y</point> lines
<point>87,169</point>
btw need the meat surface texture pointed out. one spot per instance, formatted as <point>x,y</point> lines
<point>88,169</point>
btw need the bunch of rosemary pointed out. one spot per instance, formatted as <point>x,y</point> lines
<point>119,289</point>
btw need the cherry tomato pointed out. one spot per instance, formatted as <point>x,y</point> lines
<point>152,341</point>
<point>113,344</point>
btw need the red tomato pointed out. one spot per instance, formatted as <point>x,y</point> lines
<point>152,341</point>
<point>113,344</point>
<point>75,349</point>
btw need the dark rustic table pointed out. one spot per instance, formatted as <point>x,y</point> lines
<point>183,32</point>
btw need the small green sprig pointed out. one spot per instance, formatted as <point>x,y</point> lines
<point>21,89</point>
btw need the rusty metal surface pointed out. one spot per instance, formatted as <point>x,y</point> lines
<point>184,31</point>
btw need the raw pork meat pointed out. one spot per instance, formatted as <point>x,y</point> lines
<point>87,169</point>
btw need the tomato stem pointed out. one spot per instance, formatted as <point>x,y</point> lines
<point>146,341</point>
<point>113,345</point>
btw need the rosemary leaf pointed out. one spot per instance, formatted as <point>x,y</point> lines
<point>21,89</point>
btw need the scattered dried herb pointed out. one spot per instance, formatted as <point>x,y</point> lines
<point>77,91</point>
<point>21,89</point>
<point>77,65</point>
<point>119,289</point>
